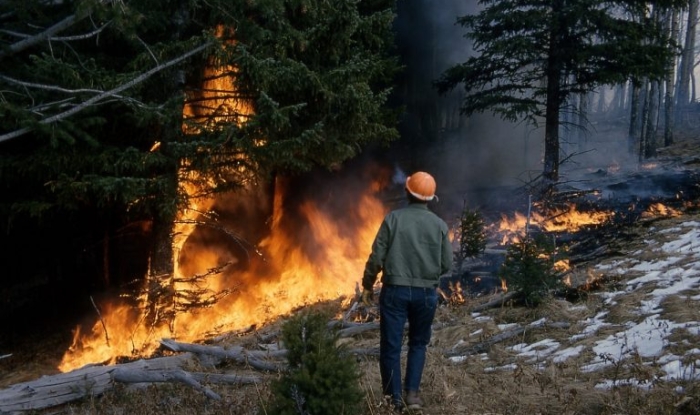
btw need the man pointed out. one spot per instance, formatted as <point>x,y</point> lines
<point>412,250</point>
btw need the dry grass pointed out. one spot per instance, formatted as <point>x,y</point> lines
<point>497,382</point>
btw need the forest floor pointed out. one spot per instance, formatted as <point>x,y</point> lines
<point>625,345</point>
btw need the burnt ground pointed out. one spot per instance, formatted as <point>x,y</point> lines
<point>471,386</point>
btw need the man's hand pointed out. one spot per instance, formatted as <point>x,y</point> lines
<point>368,297</point>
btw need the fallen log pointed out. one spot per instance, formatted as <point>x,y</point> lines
<point>90,381</point>
<point>126,375</point>
<point>496,302</point>
<point>359,328</point>
<point>49,391</point>
<point>238,354</point>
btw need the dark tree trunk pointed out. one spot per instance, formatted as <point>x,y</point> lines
<point>669,97</point>
<point>651,120</point>
<point>687,56</point>
<point>643,114</point>
<point>582,122</point>
<point>632,141</point>
<point>553,101</point>
<point>162,261</point>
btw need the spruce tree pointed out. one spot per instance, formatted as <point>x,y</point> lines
<point>92,144</point>
<point>531,56</point>
<point>322,378</point>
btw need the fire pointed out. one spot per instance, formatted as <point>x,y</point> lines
<point>294,273</point>
<point>217,103</point>
<point>313,256</point>
<point>562,265</point>
<point>573,220</point>
<point>659,209</point>
<point>514,229</point>
<point>454,294</point>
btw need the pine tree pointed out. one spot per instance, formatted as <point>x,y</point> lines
<point>529,269</point>
<point>91,120</point>
<point>322,377</point>
<point>531,56</point>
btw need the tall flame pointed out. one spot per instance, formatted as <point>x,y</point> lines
<point>321,259</point>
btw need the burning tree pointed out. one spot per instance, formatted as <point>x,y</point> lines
<point>111,127</point>
<point>530,57</point>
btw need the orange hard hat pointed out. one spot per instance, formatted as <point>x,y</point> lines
<point>421,185</point>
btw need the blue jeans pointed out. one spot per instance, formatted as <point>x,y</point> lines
<point>397,304</point>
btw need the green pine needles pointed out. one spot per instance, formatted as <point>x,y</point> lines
<point>321,378</point>
<point>529,269</point>
<point>472,234</point>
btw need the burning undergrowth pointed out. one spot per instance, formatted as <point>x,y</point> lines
<point>247,265</point>
<point>582,221</point>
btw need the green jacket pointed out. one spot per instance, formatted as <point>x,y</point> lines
<point>412,248</point>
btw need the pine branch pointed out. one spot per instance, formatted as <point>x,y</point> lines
<point>106,94</point>
<point>46,34</point>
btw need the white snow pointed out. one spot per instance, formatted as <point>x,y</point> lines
<point>674,270</point>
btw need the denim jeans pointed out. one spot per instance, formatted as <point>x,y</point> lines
<point>398,304</point>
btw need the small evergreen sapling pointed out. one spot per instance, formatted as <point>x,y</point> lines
<point>472,234</point>
<point>529,269</point>
<point>321,378</point>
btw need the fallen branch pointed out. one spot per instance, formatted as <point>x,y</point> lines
<point>90,381</point>
<point>483,347</point>
<point>358,328</point>
<point>238,354</point>
<point>54,390</point>
<point>127,375</point>
<point>497,302</point>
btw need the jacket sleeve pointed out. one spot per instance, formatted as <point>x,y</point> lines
<point>375,262</point>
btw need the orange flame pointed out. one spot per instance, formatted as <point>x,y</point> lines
<point>660,210</point>
<point>290,277</point>
<point>326,265</point>
<point>514,229</point>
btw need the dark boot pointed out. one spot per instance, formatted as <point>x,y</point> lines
<point>413,401</point>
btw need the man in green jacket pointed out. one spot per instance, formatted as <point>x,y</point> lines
<point>412,250</point>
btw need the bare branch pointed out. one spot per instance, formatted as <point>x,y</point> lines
<point>40,37</point>
<point>61,38</point>
<point>106,94</point>
<point>48,87</point>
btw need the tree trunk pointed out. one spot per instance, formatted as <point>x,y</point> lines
<point>621,99</point>
<point>644,113</point>
<point>651,121</point>
<point>669,119</point>
<point>632,141</point>
<point>582,130</point>
<point>553,101</point>
<point>162,260</point>
<point>687,56</point>
<point>600,108</point>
